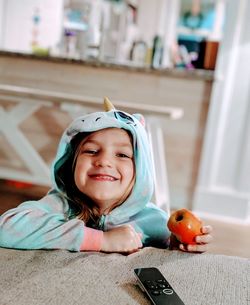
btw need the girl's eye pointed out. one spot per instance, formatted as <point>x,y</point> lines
<point>89,152</point>
<point>121,155</point>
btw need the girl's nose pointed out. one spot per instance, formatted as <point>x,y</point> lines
<point>103,161</point>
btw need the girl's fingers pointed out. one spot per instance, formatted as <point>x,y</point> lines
<point>138,238</point>
<point>204,239</point>
<point>193,248</point>
<point>206,229</point>
<point>197,248</point>
<point>140,235</point>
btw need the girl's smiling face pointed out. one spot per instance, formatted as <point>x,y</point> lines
<point>104,168</point>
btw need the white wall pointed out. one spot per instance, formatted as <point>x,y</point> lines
<point>2,2</point>
<point>223,187</point>
<point>17,32</point>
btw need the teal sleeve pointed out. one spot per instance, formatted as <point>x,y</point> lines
<point>41,224</point>
<point>152,223</point>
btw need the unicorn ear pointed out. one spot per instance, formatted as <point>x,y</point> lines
<point>108,105</point>
<point>140,118</point>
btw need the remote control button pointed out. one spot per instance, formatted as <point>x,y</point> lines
<point>168,291</point>
<point>150,285</point>
<point>161,285</point>
<point>156,292</point>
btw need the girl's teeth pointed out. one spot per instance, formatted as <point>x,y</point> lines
<point>107,178</point>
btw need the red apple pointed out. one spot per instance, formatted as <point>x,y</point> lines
<point>185,226</point>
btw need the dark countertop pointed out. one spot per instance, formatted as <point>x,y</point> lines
<point>206,75</point>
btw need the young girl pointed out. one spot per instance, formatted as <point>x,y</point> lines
<point>103,183</point>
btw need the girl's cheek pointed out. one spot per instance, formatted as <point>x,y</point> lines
<point>130,171</point>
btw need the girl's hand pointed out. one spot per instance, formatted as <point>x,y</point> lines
<point>123,239</point>
<point>202,241</point>
<point>201,245</point>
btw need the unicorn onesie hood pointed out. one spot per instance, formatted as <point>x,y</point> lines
<point>52,222</point>
<point>143,188</point>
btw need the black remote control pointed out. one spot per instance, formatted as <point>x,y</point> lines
<point>157,287</point>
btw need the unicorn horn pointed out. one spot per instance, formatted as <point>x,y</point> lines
<point>108,105</point>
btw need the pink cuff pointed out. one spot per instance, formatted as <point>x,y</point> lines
<point>92,240</point>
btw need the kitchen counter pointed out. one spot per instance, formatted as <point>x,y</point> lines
<point>206,75</point>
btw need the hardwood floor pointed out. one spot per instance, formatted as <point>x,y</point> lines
<point>229,238</point>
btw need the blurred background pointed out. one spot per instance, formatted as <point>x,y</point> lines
<point>184,64</point>
<point>157,33</point>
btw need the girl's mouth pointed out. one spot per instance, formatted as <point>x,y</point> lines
<point>102,177</point>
